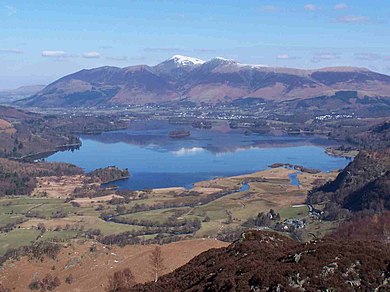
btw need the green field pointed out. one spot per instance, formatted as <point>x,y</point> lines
<point>17,238</point>
<point>219,213</point>
<point>294,212</point>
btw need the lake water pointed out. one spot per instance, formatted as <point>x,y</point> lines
<point>155,160</point>
<point>294,181</point>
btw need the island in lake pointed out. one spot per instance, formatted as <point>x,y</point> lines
<point>179,134</point>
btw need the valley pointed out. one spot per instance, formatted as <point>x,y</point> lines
<point>86,190</point>
<point>54,210</point>
<point>219,206</point>
<point>194,146</point>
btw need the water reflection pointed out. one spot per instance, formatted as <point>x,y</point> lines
<point>219,139</point>
<point>156,160</point>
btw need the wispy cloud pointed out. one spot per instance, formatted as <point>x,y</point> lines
<point>162,49</point>
<point>285,57</point>
<point>91,55</point>
<point>371,57</point>
<point>56,54</point>
<point>11,51</point>
<point>311,7</point>
<point>325,57</point>
<point>10,10</point>
<point>367,56</point>
<point>353,19</point>
<point>125,59</point>
<point>275,9</point>
<point>270,8</point>
<point>118,58</point>
<point>105,47</point>
<point>340,6</point>
<point>205,50</point>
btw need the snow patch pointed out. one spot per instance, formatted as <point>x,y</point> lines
<point>186,61</point>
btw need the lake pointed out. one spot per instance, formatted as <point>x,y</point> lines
<point>155,160</point>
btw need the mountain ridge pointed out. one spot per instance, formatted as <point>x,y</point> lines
<point>214,81</point>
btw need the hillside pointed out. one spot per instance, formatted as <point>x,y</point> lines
<point>267,261</point>
<point>362,185</point>
<point>212,82</point>
<point>90,264</point>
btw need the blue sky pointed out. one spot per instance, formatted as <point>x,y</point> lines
<point>41,41</point>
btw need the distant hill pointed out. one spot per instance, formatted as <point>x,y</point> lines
<point>210,82</point>
<point>11,95</point>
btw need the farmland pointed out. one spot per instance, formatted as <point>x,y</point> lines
<point>218,205</point>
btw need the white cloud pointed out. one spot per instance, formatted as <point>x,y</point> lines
<point>10,10</point>
<point>341,6</point>
<point>275,9</point>
<point>371,57</point>
<point>328,56</point>
<point>269,8</point>
<point>353,19</point>
<point>118,58</point>
<point>91,55</point>
<point>367,56</point>
<point>105,47</point>
<point>311,7</point>
<point>205,50</point>
<point>285,57</point>
<point>325,57</point>
<point>11,51</point>
<point>162,49</point>
<point>54,54</point>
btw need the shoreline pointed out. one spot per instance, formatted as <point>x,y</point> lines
<point>114,180</point>
<point>47,153</point>
<point>340,153</point>
<point>267,144</point>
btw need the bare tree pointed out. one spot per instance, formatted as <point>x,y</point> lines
<point>157,263</point>
<point>120,281</point>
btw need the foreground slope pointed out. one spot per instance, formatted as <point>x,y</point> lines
<point>266,261</point>
<point>211,82</point>
<point>90,264</point>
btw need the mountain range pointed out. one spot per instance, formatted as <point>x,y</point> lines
<point>10,95</point>
<point>215,81</point>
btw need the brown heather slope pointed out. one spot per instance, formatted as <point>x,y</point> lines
<point>90,270</point>
<point>374,227</point>
<point>267,261</point>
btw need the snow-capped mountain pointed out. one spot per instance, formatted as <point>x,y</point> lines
<point>177,66</point>
<point>186,61</point>
<point>218,80</point>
